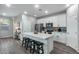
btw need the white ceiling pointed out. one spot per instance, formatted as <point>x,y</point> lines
<point>17,9</point>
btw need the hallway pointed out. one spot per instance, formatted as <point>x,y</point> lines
<point>11,46</point>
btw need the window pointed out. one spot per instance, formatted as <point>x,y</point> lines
<point>4,21</point>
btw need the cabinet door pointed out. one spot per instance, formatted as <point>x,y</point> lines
<point>55,19</point>
<point>72,32</point>
<point>72,27</point>
<point>60,37</point>
<point>62,20</point>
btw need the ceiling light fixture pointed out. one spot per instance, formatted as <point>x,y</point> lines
<point>46,11</point>
<point>8,5</point>
<point>4,14</point>
<point>36,6</point>
<point>25,12</point>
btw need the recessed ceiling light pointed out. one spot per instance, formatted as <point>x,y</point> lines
<point>67,5</point>
<point>35,15</point>
<point>8,5</point>
<point>46,11</point>
<point>25,12</point>
<point>36,6</point>
<point>4,14</point>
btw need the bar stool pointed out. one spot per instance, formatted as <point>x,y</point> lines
<point>39,47</point>
<point>27,43</point>
<point>32,46</point>
<point>23,41</point>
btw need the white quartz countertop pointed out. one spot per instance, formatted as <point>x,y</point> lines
<point>39,35</point>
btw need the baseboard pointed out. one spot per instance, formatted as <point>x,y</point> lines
<point>78,51</point>
<point>6,37</point>
<point>60,42</point>
<point>72,48</point>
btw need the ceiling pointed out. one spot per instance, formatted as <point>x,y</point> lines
<point>17,9</point>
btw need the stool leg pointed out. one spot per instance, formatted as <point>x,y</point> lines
<point>26,45</point>
<point>37,50</point>
<point>42,50</point>
<point>32,48</point>
<point>23,42</point>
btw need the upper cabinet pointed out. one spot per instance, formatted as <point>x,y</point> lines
<point>61,20</point>
<point>57,20</point>
<point>54,20</point>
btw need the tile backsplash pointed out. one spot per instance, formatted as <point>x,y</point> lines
<point>60,29</point>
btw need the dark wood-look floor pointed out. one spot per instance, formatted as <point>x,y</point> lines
<point>12,46</point>
<point>60,48</point>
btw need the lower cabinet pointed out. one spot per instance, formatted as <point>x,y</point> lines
<point>60,37</point>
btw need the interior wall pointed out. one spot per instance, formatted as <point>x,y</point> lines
<point>16,24</point>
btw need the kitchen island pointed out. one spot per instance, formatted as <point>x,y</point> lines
<point>46,39</point>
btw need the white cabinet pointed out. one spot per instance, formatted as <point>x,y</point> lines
<point>72,27</point>
<point>55,23</point>
<point>61,20</point>
<point>57,20</point>
<point>60,37</point>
